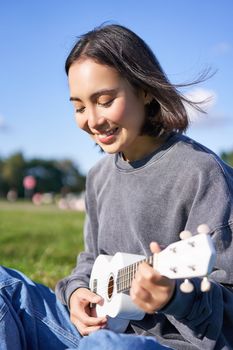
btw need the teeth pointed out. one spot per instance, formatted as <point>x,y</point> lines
<point>108,133</point>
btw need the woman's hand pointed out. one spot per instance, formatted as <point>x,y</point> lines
<point>151,291</point>
<point>82,315</point>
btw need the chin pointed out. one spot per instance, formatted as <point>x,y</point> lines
<point>109,149</point>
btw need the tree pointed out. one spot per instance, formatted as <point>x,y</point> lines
<point>3,183</point>
<point>71,177</point>
<point>227,157</point>
<point>51,175</point>
<point>13,173</point>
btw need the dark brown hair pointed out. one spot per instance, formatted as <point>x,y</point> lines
<point>119,47</point>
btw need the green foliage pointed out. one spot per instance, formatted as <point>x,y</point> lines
<point>42,242</point>
<point>12,171</point>
<point>227,157</point>
<point>51,175</point>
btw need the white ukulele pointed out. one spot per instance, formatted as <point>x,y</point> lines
<point>111,277</point>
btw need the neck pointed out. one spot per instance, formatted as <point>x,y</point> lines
<point>144,147</point>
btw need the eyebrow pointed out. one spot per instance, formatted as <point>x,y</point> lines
<point>96,94</point>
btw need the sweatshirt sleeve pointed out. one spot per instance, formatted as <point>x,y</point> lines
<point>205,319</point>
<point>80,276</point>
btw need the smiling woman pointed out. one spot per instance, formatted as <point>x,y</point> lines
<point>153,184</point>
<point>123,94</point>
<point>109,109</point>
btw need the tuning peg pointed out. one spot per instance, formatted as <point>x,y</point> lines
<point>186,286</point>
<point>185,234</point>
<point>203,229</point>
<point>205,285</point>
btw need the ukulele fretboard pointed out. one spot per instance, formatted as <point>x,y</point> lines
<point>126,275</point>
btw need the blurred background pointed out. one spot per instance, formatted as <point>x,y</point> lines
<point>36,117</point>
<point>43,155</point>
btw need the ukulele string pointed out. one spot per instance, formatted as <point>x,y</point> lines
<point>124,278</point>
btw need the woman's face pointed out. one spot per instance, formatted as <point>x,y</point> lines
<point>108,108</point>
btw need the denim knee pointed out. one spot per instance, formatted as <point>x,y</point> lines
<point>108,340</point>
<point>38,320</point>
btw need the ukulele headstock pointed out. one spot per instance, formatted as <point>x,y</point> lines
<point>193,256</point>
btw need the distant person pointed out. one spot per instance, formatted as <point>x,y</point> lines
<point>153,183</point>
<point>12,195</point>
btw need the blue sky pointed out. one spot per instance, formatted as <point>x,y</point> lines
<point>36,116</point>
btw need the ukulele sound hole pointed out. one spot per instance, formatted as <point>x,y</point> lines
<point>110,287</point>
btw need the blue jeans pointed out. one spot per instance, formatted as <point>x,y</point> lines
<point>32,318</point>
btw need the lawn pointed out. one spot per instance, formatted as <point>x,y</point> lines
<point>42,242</point>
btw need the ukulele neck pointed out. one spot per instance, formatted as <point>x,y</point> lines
<point>126,275</point>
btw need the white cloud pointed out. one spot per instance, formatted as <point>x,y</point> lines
<point>222,48</point>
<point>3,124</point>
<point>212,118</point>
<point>206,97</point>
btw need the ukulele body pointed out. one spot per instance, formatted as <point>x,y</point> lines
<point>117,305</point>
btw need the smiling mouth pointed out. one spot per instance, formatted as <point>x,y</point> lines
<point>107,136</point>
<point>108,133</point>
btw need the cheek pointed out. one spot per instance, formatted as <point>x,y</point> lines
<point>82,124</point>
<point>79,122</point>
<point>119,113</point>
<point>128,114</point>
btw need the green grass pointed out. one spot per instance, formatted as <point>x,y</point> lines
<point>43,242</point>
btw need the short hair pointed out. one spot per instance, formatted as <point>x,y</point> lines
<point>119,47</point>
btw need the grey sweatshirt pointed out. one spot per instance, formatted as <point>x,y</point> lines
<point>179,186</point>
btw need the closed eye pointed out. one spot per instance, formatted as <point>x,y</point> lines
<point>80,110</point>
<point>106,104</point>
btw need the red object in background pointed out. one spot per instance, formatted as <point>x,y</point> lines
<point>29,182</point>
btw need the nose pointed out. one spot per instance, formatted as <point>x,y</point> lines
<point>95,120</point>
